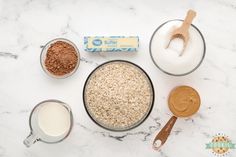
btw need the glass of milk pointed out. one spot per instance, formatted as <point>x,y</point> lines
<point>169,59</point>
<point>50,121</point>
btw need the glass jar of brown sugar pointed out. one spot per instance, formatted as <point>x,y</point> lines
<point>60,58</point>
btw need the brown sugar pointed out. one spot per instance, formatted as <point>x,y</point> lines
<point>61,58</point>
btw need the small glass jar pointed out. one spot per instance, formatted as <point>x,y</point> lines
<point>44,54</point>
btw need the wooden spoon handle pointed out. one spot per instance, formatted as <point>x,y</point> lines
<point>162,136</point>
<point>188,19</point>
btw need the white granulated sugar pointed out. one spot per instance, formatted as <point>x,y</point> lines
<point>169,59</point>
<point>118,95</point>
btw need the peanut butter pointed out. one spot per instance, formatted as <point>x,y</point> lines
<point>184,101</point>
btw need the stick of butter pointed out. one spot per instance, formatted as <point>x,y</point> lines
<point>111,43</point>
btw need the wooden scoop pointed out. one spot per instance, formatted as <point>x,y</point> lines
<point>182,31</point>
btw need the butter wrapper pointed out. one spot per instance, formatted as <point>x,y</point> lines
<point>111,43</point>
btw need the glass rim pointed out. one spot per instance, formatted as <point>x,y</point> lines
<point>186,73</point>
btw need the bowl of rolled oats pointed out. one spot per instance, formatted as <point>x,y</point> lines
<point>118,95</point>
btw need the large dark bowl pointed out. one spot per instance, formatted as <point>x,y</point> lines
<point>131,127</point>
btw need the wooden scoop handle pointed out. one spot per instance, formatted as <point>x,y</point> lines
<point>188,19</point>
<point>162,136</point>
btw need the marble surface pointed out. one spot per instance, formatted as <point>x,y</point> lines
<point>26,25</point>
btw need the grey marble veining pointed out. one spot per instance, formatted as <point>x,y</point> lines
<point>27,25</point>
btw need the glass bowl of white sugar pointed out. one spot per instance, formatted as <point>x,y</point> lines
<point>169,59</point>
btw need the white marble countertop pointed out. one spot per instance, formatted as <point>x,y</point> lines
<point>26,25</point>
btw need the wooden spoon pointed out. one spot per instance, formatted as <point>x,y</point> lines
<point>182,32</point>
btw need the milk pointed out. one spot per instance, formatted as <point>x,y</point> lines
<point>53,119</point>
<point>169,59</point>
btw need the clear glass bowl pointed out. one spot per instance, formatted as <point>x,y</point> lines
<point>44,53</point>
<point>36,134</point>
<point>171,73</point>
<point>139,122</point>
